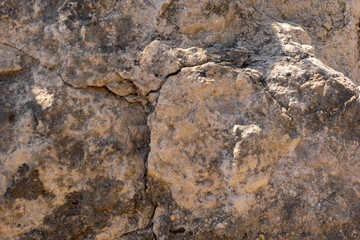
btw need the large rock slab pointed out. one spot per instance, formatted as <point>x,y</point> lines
<point>72,161</point>
<point>241,154</point>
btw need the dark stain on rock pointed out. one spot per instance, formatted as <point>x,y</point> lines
<point>125,34</point>
<point>7,117</point>
<point>73,154</point>
<point>78,11</point>
<point>9,9</point>
<point>106,49</point>
<point>355,214</point>
<point>34,235</point>
<point>86,212</point>
<point>26,184</point>
<point>34,107</point>
<point>338,211</point>
<point>12,117</point>
<point>13,89</point>
<point>218,9</point>
<point>50,13</point>
<point>290,207</point>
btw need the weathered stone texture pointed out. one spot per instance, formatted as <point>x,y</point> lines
<point>179,119</point>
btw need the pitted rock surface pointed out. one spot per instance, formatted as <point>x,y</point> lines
<point>179,119</point>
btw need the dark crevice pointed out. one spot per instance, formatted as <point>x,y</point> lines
<point>146,162</point>
<point>153,214</point>
<point>152,92</point>
<point>152,222</point>
<point>104,89</point>
<point>173,74</point>
<point>36,122</point>
<point>146,185</point>
<point>162,84</point>
<point>178,231</point>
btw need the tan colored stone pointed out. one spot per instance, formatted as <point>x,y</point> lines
<point>187,119</point>
<point>10,62</point>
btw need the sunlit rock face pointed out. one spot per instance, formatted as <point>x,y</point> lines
<point>179,119</point>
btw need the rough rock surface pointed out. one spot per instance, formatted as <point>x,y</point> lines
<point>179,119</point>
